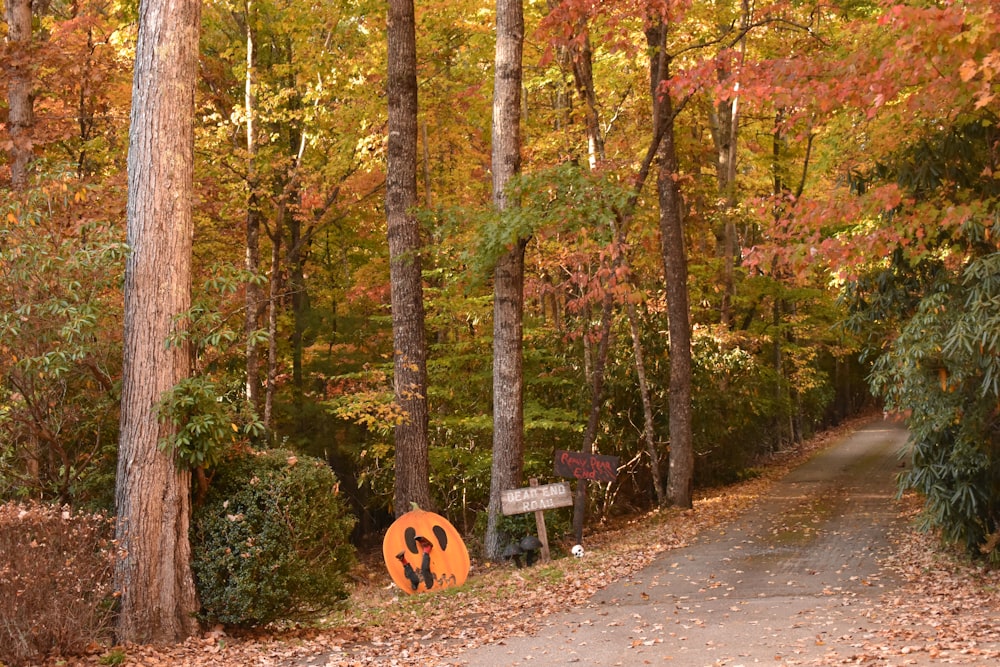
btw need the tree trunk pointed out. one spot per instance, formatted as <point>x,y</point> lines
<point>273,298</point>
<point>20,119</point>
<point>726,136</point>
<point>295,259</point>
<point>412,482</point>
<point>593,420</point>
<point>508,389</point>
<point>152,495</point>
<point>581,56</point>
<point>648,429</point>
<point>254,294</point>
<point>681,469</point>
<point>20,101</point>
<point>726,141</point>
<point>508,277</point>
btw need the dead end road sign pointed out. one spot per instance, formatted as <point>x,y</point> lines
<point>536,498</point>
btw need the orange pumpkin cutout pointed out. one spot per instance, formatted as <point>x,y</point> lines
<point>423,552</point>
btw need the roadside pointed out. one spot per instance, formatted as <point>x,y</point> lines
<point>913,608</point>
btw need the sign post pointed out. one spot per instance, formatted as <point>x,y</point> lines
<point>537,499</point>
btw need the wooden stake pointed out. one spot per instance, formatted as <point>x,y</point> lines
<point>540,525</point>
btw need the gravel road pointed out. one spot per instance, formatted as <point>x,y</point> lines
<point>795,581</point>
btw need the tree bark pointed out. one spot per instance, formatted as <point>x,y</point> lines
<point>727,122</point>
<point>680,479</point>
<point>20,101</point>
<point>583,74</point>
<point>275,287</point>
<point>254,294</point>
<point>508,277</point>
<point>581,56</point>
<point>648,429</point>
<point>298,296</point>
<point>152,494</point>
<point>726,138</point>
<point>593,420</point>
<point>412,483</point>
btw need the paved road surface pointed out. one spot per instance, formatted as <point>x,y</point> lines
<point>784,585</point>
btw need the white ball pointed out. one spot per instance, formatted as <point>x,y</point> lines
<point>577,551</point>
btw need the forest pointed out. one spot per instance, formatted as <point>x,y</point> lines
<point>428,244</point>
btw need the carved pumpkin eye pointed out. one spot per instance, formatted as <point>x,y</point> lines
<point>447,557</point>
<point>410,536</point>
<point>442,536</point>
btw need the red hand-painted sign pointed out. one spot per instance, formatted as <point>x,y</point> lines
<point>579,465</point>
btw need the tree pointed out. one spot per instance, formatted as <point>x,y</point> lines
<point>680,479</point>
<point>725,119</point>
<point>409,344</point>
<point>254,298</point>
<point>907,222</point>
<point>508,276</point>
<point>152,496</point>
<point>20,114</point>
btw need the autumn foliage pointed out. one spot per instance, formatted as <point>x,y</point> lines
<point>837,165</point>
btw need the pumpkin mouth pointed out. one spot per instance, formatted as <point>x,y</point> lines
<point>425,565</point>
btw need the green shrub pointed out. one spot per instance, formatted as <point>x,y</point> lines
<point>270,542</point>
<point>944,369</point>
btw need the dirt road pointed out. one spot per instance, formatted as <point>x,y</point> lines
<point>796,581</point>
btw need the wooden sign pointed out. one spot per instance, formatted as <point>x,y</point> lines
<point>578,465</point>
<point>536,498</point>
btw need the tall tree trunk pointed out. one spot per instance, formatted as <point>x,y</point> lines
<point>254,294</point>
<point>20,102</point>
<point>582,58</point>
<point>681,469</point>
<point>85,110</point>
<point>727,129</point>
<point>295,259</point>
<point>152,493</point>
<point>583,75</point>
<point>648,429</point>
<point>727,124</point>
<point>273,305</point>
<point>20,119</point>
<point>412,483</point>
<point>508,277</point>
<point>593,420</point>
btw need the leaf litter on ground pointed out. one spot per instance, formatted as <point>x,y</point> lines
<point>947,608</point>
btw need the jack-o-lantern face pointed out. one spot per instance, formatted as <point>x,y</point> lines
<point>423,552</point>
